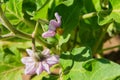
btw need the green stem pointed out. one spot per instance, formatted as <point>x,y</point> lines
<point>10,27</point>
<point>117,46</point>
<point>27,22</point>
<point>89,15</point>
<point>16,32</point>
<point>33,37</point>
<point>93,14</point>
<point>95,48</point>
<point>35,30</point>
<point>43,21</point>
<point>75,37</point>
<point>7,36</point>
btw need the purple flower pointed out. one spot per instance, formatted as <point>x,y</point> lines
<point>35,65</point>
<point>53,25</point>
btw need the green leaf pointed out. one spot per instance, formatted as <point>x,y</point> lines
<point>25,28</point>
<point>111,29</point>
<point>92,5</point>
<point>40,77</point>
<point>103,18</point>
<point>66,60</point>
<point>70,15</point>
<point>43,10</point>
<point>111,14</point>
<point>68,2</point>
<point>78,54</point>
<point>97,69</point>
<point>80,63</point>
<point>14,11</point>
<point>63,39</point>
<point>13,74</point>
<point>10,61</point>
<point>29,6</point>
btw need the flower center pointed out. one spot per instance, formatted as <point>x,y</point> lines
<point>38,57</point>
<point>59,30</point>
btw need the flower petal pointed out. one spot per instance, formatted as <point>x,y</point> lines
<point>52,60</point>
<point>39,68</point>
<point>30,69</point>
<point>53,25</point>
<point>30,52</point>
<point>46,52</point>
<point>27,60</point>
<point>58,17</point>
<point>46,66</point>
<point>49,33</point>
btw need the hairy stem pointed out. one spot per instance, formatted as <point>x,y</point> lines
<point>7,36</point>
<point>16,32</point>
<point>10,27</point>
<point>33,37</point>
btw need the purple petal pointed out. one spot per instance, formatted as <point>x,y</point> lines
<point>30,69</point>
<point>27,60</point>
<point>58,17</point>
<point>46,66</point>
<point>46,52</point>
<point>47,34</point>
<point>39,68</point>
<point>53,25</point>
<point>30,52</point>
<point>52,60</point>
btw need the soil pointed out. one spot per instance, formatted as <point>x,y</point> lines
<point>112,54</point>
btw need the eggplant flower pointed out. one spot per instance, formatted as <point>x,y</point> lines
<point>53,25</point>
<point>36,64</point>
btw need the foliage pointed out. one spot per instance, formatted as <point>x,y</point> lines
<point>86,25</point>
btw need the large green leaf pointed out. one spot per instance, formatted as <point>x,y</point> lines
<point>81,64</point>
<point>70,14</point>
<point>10,64</point>
<point>98,69</point>
<point>78,54</point>
<point>45,8</point>
<point>14,11</point>
<point>13,74</point>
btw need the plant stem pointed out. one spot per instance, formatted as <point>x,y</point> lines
<point>28,23</point>
<point>104,29</point>
<point>93,14</point>
<point>10,27</point>
<point>117,46</point>
<point>89,15</point>
<point>75,37</point>
<point>7,36</point>
<point>43,21</point>
<point>33,37</point>
<point>16,32</point>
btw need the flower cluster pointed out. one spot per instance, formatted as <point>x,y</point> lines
<point>53,25</point>
<point>35,65</point>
